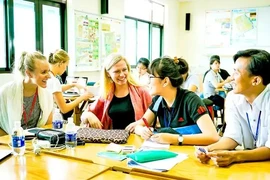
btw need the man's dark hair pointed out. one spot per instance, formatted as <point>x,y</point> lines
<point>259,64</point>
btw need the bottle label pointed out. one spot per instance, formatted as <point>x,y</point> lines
<point>71,137</point>
<point>18,141</point>
<point>58,124</point>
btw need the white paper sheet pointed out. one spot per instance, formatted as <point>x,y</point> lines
<point>149,144</point>
<point>160,165</point>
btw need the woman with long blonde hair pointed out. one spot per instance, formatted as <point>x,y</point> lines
<point>122,102</point>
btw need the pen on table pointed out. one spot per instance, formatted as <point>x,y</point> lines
<point>146,124</point>
<point>201,149</point>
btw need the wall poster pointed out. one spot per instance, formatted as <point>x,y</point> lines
<point>87,41</point>
<point>112,32</point>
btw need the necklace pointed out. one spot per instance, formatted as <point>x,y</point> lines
<point>26,116</point>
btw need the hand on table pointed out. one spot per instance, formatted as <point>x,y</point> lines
<point>202,156</point>
<point>222,158</point>
<point>90,120</point>
<point>165,138</point>
<point>131,127</point>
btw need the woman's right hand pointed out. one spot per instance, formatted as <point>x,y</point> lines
<point>91,120</point>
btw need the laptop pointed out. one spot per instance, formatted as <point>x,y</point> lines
<point>72,92</point>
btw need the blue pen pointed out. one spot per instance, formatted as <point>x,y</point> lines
<point>202,150</point>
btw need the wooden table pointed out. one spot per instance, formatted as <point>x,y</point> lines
<point>124,176</point>
<point>44,166</point>
<point>190,168</point>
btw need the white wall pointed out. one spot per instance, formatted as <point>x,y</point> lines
<point>191,44</point>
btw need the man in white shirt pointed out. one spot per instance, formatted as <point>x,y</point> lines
<point>246,113</point>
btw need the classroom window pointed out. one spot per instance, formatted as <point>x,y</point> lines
<point>24,27</point>
<point>143,32</point>
<point>130,41</point>
<point>156,39</point>
<point>31,25</point>
<point>51,28</point>
<point>143,40</point>
<point>2,36</point>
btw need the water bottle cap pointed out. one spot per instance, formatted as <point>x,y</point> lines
<point>17,124</point>
<point>70,120</point>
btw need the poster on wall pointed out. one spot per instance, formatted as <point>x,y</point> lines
<point>86,41</point>
<point>244,27</point>
<point>218,28</point>
<point>112,32</point>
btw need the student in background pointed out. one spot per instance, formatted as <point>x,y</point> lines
<point>122,101</point>
<point>247,113</point>
<point>223,73</point>
<point>58,63</point>
<point>142,69</point>
<point>175,108</point>
<point>26,98</point>
<point>211,81</point>
<point>191,81</point>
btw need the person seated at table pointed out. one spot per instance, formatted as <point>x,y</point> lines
<point>223,73</point>
<point>247,113</point>
<point>142,70</point>
<point>59,61</point>
<point>191,81</point>
<point>122,101</point>
<point>212,81</point>
<point>26,98</point>
<point>175,108</point>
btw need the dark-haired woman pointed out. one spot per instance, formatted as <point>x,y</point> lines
<point>212,80</point>
<point>177,108</point>
<point>142,70</point>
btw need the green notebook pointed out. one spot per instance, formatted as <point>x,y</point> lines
<point>151,155</point>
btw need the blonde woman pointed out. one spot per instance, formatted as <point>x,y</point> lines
<point>58,63</point>
<point>26,98</point>
<point>122,101</point>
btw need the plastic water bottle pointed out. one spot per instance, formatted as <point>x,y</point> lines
<point>18,139</point>
<point>57,120</point>
<point>71,134</point>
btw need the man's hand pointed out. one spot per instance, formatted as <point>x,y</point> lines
<point>222,158</point>
<point>202,156</point>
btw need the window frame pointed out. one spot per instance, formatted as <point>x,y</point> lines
<point>9,28</point>
<point>151,25</point>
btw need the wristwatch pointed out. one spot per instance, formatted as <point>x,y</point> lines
<point>180,139</point>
